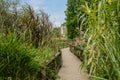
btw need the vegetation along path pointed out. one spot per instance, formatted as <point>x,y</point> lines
<point>70,69</point>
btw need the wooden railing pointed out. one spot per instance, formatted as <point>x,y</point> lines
<point>51,67</point>
<point>77,51</point>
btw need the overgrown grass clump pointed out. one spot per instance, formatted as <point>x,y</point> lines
<point>20,61</point>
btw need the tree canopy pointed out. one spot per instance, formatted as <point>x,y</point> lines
<point>71,19</point>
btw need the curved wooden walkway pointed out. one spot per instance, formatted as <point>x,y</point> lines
<point>70,69</point>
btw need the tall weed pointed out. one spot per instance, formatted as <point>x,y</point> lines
<point>102,53</point>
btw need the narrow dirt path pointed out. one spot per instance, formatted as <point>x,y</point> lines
<point>70,69</point>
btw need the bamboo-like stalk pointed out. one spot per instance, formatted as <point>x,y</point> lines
<point>102,51</point>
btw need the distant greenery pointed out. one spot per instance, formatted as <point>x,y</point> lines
<point>71,19</point>
<point>56,32</point>
<point>75,16</point>
<point>61,43</point>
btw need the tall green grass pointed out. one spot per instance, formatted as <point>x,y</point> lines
<point>102,53</point>
<point>19,61</point>
<point>16,59</point>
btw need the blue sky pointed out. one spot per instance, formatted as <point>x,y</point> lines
<point>55,8</point>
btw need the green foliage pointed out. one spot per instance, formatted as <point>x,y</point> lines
<point>20,61</point>
<point>56,32</point>
<point>101,55</point>
<point>25,42</point>
<point>35,26</point>
<point>17,59</point>
<point>38,26</point>
<point>76,17</point>
<point>71,20</point>
<point>61,43</point>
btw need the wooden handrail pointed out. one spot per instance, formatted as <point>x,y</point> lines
<point>76,47</point>
<point>48,63</point>
<point>53,58</point>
